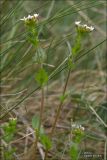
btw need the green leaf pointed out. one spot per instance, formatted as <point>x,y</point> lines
<point>63,97</point>
<point>42,77</point>
<point>8,137</point>
<point>77,46</point>
<point>71,65</point>
<point>35,122</point>
<point>46,141</point>
<point>74,152</point>
<point>8,154</point>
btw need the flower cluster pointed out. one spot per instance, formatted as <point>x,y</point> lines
<point>83,27</point>
<point>31,24</point>
<point>13,121</point>
<point>30,19</point>
<point>76,126</point>
<point>77,130</point>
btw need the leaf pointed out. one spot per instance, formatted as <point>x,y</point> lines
<point>77,46</point>
<point>46,141</point>
<point>35,122</point>
<point>63,97</point>
<point>74,152</point>
<point>70,63</point>
<point>8,138</point>
<point>42,77</point>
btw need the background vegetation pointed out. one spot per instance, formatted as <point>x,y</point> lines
<point>20,94</point>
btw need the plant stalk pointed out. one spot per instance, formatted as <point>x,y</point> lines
<point>41,116</point>
<point>58,111</point>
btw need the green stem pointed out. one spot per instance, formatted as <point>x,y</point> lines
<point>60,105</point>
<point>58,111</point>
<point>41,116</point>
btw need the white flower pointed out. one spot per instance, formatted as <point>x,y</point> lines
<point>83,27</point>
<point>88,28</point>
<point>23,19</point>
<point>77,23</point>
<point>73,125</point>
<point>29,17</point>
<point>91,28</point>
<point>13,119</point>
<point>36,15</point>
<point>76,126</point>
<point>82,128</point>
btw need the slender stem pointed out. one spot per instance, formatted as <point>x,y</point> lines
<point>46,154</point>
<point>41,115</point>
<point>60,106</point>
<point>42,107</point>
<point>105,150</point>
<point>58,111</point>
